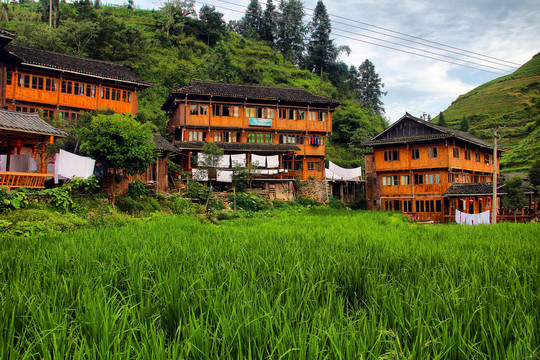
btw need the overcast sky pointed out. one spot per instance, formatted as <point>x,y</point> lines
<point>502,29</point>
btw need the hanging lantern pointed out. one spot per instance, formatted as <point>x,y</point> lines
<point>19,143</point>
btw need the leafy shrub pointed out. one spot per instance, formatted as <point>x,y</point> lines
<point>178,205</point>
<point>307,201</point>
<point>359,202</point>
<point>87,186</point>
<point>137,189</point>
<point>143,205</point>
<point>251,202</point>
<point>60,197</point>
<point>197,191</point>
<point>337,204</point>
<point>12,200</point>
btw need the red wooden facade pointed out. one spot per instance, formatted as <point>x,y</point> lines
<point>291,123</point>
<point>414,163</point>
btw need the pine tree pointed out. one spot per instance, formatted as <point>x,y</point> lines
<point>291,31</point>
<point>269,23</point>
<point>213,24</point>
<point>442,120</point>
<point>321,51</point>
<point>370,87</point>
<point>464,125</point>
<point>250,24</point>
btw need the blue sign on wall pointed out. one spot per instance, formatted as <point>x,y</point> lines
<point>260,122</point>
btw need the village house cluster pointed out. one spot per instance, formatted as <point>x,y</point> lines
<point>416,167</point>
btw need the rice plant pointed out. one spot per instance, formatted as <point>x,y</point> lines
<point>322,285</point>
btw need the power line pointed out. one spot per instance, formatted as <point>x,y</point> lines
<point>406,46</point>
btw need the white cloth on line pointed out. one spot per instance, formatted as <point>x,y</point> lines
<point>258,160</point>
<point>345,174</point>
<point>3,162</point>
<point>238,160</point>
<point>70,165</point>
<point>202,159</point>
<point>272,161</point>
<point>33,165</point>
<point>224,161</point>
<point>199,174</point>
<point>473,219</point>
<point>224,176</point>
<point>330,175</point>
<point>19,163</point>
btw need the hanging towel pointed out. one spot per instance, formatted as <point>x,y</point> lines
<point>258,160</point>
<point>224,161</point>
<point>70,165</point>
<point>199,174</point>
<point>202,159</point>
<point>224,176</point>
<point>238,160</point>
<point>19,163</point>
<point>272,161</point>
<point>3,162</point>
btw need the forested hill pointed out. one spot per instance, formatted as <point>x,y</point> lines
<point>173,45</point>
<point>511,103</point>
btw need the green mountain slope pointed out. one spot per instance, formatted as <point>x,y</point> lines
<point>511,102</point>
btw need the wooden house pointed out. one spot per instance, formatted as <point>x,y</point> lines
<point>255,120</point>
<point>34,80</point>
<point>23,134</point>
<point>415,163</point>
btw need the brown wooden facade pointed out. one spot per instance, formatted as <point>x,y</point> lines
<point>414,163</point>
<point>53,84</point>
<point>291,123</point>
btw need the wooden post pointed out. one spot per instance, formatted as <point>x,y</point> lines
<point>494,200</point>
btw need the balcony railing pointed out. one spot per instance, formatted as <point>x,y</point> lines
<point>20,179</point>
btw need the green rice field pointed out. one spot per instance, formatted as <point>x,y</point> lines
<point>318,285</point>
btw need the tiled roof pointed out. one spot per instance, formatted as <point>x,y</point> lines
<point>256,147</point>
<point>163,144</point>
<point>252,91</point>
<point>472,189</point>
<point>484,189</point>
<point>75,65</point>
<point>6,36</point>
<point>28,123</point>
<point>444,133</point>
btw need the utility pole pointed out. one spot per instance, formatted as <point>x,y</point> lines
<point>494,200</point>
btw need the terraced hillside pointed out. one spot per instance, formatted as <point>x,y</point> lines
<point>511,101</point>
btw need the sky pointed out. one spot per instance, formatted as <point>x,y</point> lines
<point>506,30</point>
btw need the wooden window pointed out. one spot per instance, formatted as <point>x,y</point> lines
<point>17,108</point>
<point>54,85</point>
<point>323,116</point>
<point>301,115</point>
<point>73,117</point>
<point>467,155</point>
<point>66,87</point>
<point>395,180</point>
<point>405,179</point>
<point>418,179</point>
<point>456,152</point>
<point>260,137</point>
<point>415,153</point>
<point>437,178</point>
<point>48,84</point>
<point>292,114</point>
<point>78,89</point>
<point>407,205</point>
<point>392,155</point>
<point>32,110</point>
<point>34,82</point>
<point>225,110</point>
<point>429,178</point>
<point>429,206</point>
<point>312,115</point>
<point>250,112</point>
<point>113,94</point>
<point>477,153</point>
<point>129,96</point>
<point>419,206</point>
<point>433,152</point>
<point>216,110</point>
<point>487,159</point>
<point>236,111</point>
<point>282,113</point>
<point>194,109</point>
<point>124,96</point>
<point>310,166</point>
<point>118,95</point>
<point>9,78</point>
<point>287,162</point>
<point>107,93</point>
<point>197,135</point>
<point>438,207</point>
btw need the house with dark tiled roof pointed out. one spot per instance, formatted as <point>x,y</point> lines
<point>24,138</point>
<point>425,170</point>
<point>283,123</point>
<point>33,80</point>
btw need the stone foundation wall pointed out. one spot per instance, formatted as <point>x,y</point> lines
<point>315,189</point>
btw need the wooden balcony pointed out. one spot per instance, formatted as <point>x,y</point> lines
<point>20,179</point>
